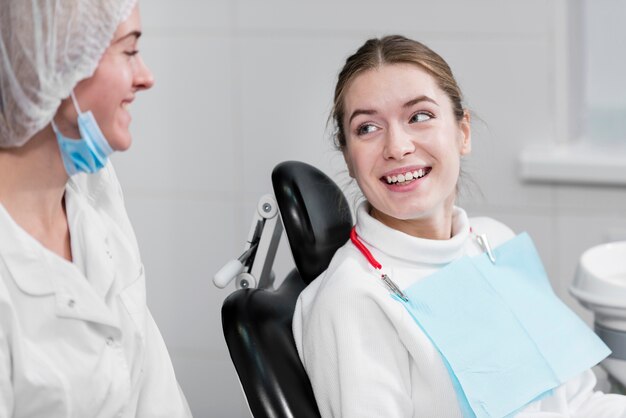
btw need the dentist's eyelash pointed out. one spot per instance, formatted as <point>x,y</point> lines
<point>131,53</point>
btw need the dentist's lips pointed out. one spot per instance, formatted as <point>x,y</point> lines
<point>126,102</point>
<point>125,106</point>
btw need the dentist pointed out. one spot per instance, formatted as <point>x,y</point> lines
<point>76,337</point>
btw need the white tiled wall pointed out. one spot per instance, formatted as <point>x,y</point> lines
<point>242,85</point>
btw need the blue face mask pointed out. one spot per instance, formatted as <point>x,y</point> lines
<point>90,152</point>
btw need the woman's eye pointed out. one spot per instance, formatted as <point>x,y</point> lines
<point>420,117</point>
<point>366,129</point>
<point>131,53</point>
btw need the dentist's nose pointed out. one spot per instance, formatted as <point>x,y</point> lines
<point>398,144</point>
<point>143,77</point>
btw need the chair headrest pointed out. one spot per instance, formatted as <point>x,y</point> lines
<point>315,214</point>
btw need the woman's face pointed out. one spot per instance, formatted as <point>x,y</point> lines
<point>121,73</point>
<point>403,143</point>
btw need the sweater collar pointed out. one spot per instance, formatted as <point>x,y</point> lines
<point>397,244</point>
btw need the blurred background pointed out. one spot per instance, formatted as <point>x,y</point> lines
<point>242,85</point>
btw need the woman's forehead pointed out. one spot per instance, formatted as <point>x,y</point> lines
<point>390,84</point>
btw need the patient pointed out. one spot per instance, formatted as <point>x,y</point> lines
<point>369,331</point>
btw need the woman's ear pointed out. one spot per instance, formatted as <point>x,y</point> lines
<point>465,133</point>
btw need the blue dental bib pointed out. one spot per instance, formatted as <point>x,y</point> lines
<point>505,337</point>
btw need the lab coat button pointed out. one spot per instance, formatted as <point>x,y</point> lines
<point>71,303</point>
<point>110,341</point>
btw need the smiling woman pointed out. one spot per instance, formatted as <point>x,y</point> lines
<point>426,312</point>
<point>120,75</point>
<point>413,134</point>
<point>76,337</point>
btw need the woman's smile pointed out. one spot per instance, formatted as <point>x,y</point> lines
<point>404,177</point>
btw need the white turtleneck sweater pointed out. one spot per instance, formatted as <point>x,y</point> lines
<point>366,356</point>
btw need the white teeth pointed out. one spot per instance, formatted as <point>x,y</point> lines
<point>408,176</point>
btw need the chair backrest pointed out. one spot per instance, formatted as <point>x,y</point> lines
<point>315,214</point>
<point>257,322</point>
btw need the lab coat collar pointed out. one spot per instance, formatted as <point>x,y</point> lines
<point>411,249</point>
<point>24,257</point>
<point>90,242</point>
<point>38,272</point>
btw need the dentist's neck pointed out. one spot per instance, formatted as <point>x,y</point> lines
<point>33,178</point>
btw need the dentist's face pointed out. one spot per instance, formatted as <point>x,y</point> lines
<point>403,143</point>
<point>120,75</point>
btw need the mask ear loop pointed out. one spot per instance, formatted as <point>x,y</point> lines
<point>75,102</point>
<point>55,128</point>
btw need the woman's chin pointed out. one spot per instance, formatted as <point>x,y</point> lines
<point>120,142</point>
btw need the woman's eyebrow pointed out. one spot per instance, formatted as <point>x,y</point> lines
<point>358,112</point>
<point>135,33</point>
<point>419,99</point>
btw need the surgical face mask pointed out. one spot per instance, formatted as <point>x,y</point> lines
<point>90,152</point>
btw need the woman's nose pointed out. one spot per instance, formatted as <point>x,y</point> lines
<point>143,76</point>
<point>398,144</point>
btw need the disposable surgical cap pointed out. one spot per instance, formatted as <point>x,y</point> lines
<point>46,48</point>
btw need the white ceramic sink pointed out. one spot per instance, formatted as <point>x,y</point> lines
<point>600,283</point>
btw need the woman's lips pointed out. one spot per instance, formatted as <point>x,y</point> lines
<point>405,176</point>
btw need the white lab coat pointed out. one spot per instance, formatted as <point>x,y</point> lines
<point>76,339</point>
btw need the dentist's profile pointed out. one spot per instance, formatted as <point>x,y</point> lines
<point>426,311</point>
<point>76,336</point>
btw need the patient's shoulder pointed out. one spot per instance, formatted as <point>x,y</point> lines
<point>348,271</point>
<point>347,280</point>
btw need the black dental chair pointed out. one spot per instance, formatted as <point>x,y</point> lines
<point>257,321</point>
